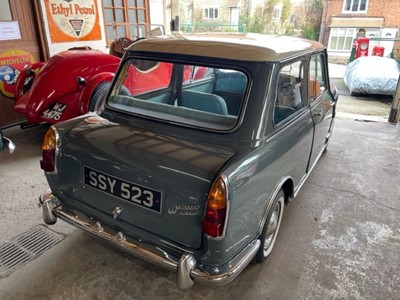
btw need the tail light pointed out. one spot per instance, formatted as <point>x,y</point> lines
<point>216,211</point>
<point>49,148</point>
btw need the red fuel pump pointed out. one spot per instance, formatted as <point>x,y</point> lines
<point>363,46</point>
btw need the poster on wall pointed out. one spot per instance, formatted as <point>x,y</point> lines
<point>73,20</point>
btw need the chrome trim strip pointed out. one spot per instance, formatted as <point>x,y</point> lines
<point>186,267</point>
<point>184,173</point>
<point>305,177</point>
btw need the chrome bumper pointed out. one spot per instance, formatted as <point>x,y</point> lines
<point>185,267</point>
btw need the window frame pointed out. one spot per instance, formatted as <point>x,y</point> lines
<point>302,81</point>
<point>338,36</point>
<point>277,12</point>
<point>164,104</point>
<point>141,26</point>
<point>320,77</point>
<point>351,3</point>
<point>206,13</point>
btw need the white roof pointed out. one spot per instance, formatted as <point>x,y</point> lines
<point>248,47</point>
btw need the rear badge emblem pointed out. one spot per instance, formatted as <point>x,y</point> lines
<point>117,211</point>
<point>184,210</point>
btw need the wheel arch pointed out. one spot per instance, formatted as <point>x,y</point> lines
<point>32,70</point>
<point>88,90</point>
<point>286,184</point>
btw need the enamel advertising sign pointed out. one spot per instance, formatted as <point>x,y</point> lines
<point>73,20</point>
<point>12,62</point>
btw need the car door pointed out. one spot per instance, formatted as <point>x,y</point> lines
<point>292,121</point>
<point>321,104</point>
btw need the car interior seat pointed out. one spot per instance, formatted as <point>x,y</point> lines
<point>204,101</point>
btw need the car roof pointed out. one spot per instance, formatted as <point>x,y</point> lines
<point>246,47</point>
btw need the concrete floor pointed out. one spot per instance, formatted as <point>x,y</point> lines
<point>339,239</point>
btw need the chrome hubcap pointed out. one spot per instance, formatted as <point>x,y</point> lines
<point>273,226</point>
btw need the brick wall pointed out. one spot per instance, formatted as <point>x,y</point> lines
<point>388,9</point>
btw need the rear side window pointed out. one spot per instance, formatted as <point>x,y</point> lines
<point>290,91</point>
<point>195,95</point>
<point>317,80</point>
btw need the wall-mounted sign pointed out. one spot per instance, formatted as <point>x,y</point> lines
<point>12,62</point>
<point>9,30</point>
<point>73,20</point>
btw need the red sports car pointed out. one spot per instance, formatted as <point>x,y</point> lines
<point>72,83</point>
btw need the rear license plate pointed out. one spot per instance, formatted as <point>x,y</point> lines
<point>55,111</point>
<point>122,189</point>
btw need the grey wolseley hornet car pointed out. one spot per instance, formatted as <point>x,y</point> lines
<point>200,142</point>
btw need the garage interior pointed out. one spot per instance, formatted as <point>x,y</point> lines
<point>339,238</point>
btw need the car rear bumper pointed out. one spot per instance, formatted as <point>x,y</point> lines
<point>186,266</point>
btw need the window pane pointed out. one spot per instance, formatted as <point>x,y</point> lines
<point>121,31</point>
<point>289,94</point>
<point>142,30</point>
<point>132,16</point>
<point>355,5</point>
<point>119,16</point>
<point>108,3</point>
<point>143,91</point>
<point>140,3</point>
<point>216,13</point>
<point>363,5</point>
<point>134,31</point>
<point>211,13</point>
<point>5,11</point>
<point>342,32</point>
<point>109,15</point>
<point>141,16</point>
<point>131,3</point>
<point>347,5</point>
<point>317,82</point>
<point>340,45</point>
<point>349,42</point>
<point>333,43</point>
<point>321,71</point>
<point>118,3</point>
<point>110,33</point>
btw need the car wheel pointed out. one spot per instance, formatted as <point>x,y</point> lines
<point>271,227</point>
<point>98,94</point>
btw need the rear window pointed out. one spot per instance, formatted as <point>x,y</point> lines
<point>195,95</point>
